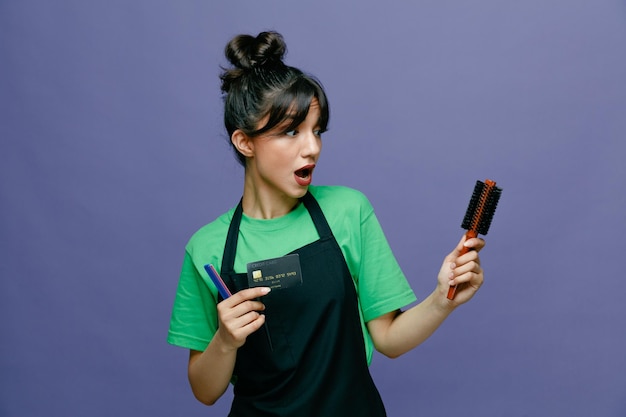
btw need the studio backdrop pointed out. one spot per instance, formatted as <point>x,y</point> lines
<point>113,152</point>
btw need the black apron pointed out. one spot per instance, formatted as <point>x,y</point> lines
<point>315,364</point>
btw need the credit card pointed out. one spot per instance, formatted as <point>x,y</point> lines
<point>276,273</point>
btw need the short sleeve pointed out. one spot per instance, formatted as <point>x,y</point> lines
<point>381,284</point>
<point>194,315</point>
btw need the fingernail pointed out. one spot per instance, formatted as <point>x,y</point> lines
<point>266,290</point>
<point>452,265</point>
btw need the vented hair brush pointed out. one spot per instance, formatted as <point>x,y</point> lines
<point>479,214</point>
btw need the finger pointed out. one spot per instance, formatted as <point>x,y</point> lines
<point>255,324</point>
<point>470,267</point>
<point>242,333</point>
<point>457,251</point>
<point>244,295</point>
<point>474,243</point>
<point>249,294</point>
<point>229,312</point>
<point>473,276</point>
<point>245,320</point>
<point>472,279</point>
<point>471,256</point>
<point>239,329</point>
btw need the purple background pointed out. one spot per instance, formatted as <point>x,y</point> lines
<point>112,153</point>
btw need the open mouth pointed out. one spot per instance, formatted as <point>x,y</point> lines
<point>303,172</point>
<point>304,175</point>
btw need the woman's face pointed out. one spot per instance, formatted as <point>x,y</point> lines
<point>282,162</point>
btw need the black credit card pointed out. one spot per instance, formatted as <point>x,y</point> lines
<point>276,273</point>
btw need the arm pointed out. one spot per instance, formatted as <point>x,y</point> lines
<point>210,371</point>
<point>398,332</point>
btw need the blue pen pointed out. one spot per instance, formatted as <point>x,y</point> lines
<point>217,280</point>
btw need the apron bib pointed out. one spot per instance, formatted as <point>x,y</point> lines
<point>315,364</point>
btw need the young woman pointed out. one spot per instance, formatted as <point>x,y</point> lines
<point>302,349</point>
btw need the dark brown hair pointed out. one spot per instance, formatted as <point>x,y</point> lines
<point>261,85</point>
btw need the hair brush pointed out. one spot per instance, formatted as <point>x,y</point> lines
<point>479,214</point>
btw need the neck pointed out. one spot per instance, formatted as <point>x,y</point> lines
<point>266,205</point>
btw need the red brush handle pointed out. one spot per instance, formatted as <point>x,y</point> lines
<point>470,234</point>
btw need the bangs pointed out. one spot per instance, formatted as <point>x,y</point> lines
<point>290,106</point>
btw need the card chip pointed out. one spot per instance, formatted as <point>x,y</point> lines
<point>257,274</point>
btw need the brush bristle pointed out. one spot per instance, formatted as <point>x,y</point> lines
<point>481,208</point>
<point>473,205</point>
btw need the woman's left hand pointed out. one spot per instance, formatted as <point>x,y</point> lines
<point>464,271</point>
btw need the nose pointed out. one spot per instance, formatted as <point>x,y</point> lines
<point>312,145</point>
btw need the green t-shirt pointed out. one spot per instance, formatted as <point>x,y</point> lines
<point>380,283</point>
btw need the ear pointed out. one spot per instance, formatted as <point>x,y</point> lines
<point>243,143</point>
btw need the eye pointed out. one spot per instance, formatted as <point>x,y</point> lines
<point>291,133</point>
<point>318,132</point>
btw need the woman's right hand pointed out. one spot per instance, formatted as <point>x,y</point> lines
<point>239,316</point>
<point>210,371</point>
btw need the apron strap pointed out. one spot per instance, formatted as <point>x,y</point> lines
<point>230,249</point>
<point>321,225</point>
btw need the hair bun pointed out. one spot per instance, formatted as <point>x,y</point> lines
<point>247,52</point>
